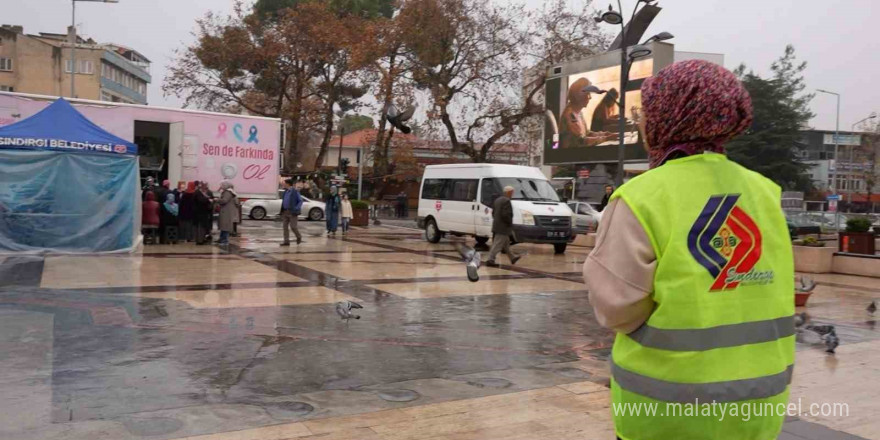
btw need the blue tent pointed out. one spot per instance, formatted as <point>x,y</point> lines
<point>66,185</point>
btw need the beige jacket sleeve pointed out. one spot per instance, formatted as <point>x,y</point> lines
<point>619,272</point>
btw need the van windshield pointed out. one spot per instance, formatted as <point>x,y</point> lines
<point>535,190</point>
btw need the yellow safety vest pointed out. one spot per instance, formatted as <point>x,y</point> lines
<point>722,332</point>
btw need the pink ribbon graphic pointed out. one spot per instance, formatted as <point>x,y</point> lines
<point>221,130</point>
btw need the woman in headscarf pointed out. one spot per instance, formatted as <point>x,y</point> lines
<point>693,268</point>
<point>332,204</point>
<point>187,212</point>
<point>228,211</point>
<point>169,216</point>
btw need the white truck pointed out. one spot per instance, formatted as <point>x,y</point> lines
<point>457,199</point>
<point>179,144</point>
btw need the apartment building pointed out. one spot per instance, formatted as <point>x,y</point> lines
<point>42,64</point>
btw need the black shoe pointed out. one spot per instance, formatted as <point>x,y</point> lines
<point>515,259</point>
<point>286,243</point>
<point>491,264</point>
<point>298,241</point>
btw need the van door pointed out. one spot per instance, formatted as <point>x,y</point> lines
<point>461,203</point>
<point>489,191</point>
<point>175,152</point>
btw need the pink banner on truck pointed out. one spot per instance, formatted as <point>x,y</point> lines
<point>213,147</point>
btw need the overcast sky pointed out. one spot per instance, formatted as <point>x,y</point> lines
<point>836,38</point>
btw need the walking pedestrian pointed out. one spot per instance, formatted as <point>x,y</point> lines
<point>228,211</point>
<point>693,270</point>
<point>291,207</point>
<point>331,207</point>
<point>502,227</point>
<point>347,213</point>
<point>186,212</point>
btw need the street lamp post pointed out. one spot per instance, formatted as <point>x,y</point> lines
<point>853,147</point>
<point>836,141</point>
<point>628,54</point>
<point>73,43</point>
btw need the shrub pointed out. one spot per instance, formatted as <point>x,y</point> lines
<point>858,224</point>
<point>359,204</point>
<point>812,241</point>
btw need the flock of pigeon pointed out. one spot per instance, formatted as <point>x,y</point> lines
<point>472,259</point>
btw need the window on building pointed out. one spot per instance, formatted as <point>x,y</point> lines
<point>106,96</point>
<point>7,89</point>
<point>6,64</point>
<point>105,70</point>
<point>86,67</point>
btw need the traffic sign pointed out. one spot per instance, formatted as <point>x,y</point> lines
<point>833,197</point>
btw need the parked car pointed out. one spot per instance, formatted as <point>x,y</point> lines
<point>259,209</point>
<point>586,217</point>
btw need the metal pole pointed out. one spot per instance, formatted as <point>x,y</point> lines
<point>73,51</point>
<point>339,160</point>
<point>836,162</point>
<point>621,120</point>
<point>360,171</point>
<point>836,146</point>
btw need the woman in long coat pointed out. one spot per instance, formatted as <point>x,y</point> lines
<point>228,211</point>
<point>332,204</point>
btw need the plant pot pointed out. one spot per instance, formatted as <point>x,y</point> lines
<point>361,217</point>
<point>800,298</point>
<point>857,243</point>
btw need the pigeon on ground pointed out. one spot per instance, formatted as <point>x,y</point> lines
<point>806,285</point>
<point>800,319</point>
<point>397,119</point>
<point>872,307</point>
<point>821,330</point>
<point>831,342</point>
<point>472,260</point>
<point>343,309</point>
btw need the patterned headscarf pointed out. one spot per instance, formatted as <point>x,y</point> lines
<point>691,107</point>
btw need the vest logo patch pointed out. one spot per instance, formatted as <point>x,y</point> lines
<point>727,242</point>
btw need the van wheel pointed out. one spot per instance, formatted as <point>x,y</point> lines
<point>432,234</point>
<point>560,247</point>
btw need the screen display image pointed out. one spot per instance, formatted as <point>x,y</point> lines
<point>582,117</point>
<point>591,119</point>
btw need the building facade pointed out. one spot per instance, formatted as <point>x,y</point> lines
<point>855,170</point>
<point>41,64</point>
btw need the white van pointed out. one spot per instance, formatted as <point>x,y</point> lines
<point>457,199</point>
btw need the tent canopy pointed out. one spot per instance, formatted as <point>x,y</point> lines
<point>60,127</point>
<point>66,185</point>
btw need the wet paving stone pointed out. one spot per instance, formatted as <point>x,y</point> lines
<point>398,395</point>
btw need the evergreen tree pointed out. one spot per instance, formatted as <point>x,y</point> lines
<point>772,145</point>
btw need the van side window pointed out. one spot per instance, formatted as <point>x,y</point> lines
<point>464,190</point>
<point>434,189</point>
<point>490,192</point>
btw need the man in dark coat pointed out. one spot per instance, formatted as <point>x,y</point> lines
<point>502,227</point>
<point>609,189</point>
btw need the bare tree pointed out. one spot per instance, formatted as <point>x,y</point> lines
<point>469,56</point>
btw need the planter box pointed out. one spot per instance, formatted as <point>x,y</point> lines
<point>857,243</point>
<point>855,264</point>
<point>809,259</point>
<point>361,217</point>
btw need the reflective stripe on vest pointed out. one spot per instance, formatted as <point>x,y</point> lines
<point>703,339</point>
<point>720,392</point>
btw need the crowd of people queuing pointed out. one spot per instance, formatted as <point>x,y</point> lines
<point>189,210</point>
